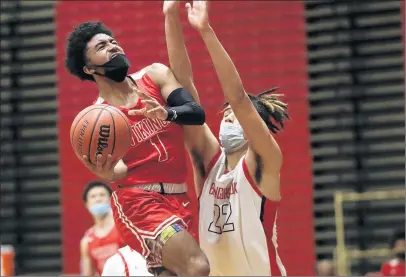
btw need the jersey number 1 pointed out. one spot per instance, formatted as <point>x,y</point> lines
<point>160,148</point>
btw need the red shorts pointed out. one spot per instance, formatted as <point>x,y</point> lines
<point>140,216</point>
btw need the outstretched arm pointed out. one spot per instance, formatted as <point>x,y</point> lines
<point>261,142</point>
<point>200,142</point>
<point>178,57</point>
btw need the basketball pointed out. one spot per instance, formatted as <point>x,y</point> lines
<point>100,129</point>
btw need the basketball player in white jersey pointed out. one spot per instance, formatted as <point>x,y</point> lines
<point>239,187</point>
<point>126,262</point>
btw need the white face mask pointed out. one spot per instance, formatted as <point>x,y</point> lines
<point>231,136</point>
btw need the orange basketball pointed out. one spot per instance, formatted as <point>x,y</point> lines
<point>100,129</point>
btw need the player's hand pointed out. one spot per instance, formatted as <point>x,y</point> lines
<point>198,14</point>
<point>171,7</point>
<point>104,170</point>
<point>152,109</point>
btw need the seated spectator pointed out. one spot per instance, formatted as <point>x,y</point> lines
<point>396,266</point>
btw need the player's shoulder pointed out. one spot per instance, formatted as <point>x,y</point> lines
<point>88,236</point>
<point>216,166</point>
<point>88,233</point>
<point>157,72</point>
<point>153,74</point>
<point>156,67</point>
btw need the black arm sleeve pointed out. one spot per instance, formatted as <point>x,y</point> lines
<point>183,109</point>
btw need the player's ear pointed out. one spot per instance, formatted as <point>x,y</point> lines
<point>87,70</point>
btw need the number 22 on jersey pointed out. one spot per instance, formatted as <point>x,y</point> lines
<point>221,219</point>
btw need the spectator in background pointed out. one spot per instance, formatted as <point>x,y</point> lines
<point>325,268</point>
<point>396,266</point>
<point>102,240</point>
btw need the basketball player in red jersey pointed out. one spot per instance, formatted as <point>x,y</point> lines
<point>102,240</point>
<point>241,180</point>
<point>150,205</point>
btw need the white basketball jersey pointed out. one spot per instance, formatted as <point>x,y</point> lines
<point>127,262</point>
<point>232,211</point>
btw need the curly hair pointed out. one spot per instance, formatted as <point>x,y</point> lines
<point>77,45</point>
<point>271,109</point>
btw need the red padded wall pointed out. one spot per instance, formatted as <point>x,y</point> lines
<point>268,44</point>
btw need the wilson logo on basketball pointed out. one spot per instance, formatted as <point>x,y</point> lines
<point>103,140</point>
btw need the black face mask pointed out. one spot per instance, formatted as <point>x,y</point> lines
<point>400,255</point>
<point>115,69</point>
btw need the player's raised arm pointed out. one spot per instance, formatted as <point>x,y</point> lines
<point>261,142</point>
<point>179,61</point>
<point>200,141</point>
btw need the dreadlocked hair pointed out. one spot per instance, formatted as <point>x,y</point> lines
<point>271,109</point>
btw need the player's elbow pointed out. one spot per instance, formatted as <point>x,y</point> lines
<point>200,114</point>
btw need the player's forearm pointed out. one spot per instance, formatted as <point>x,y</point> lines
<point>226,71</point>
<point>178,57</point>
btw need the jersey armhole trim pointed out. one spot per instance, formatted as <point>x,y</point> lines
<point>249,178</point>
<point>210,166</point>
<point>127,273</point>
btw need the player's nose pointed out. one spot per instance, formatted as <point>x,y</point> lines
<point>229,119</point>
<point>114,49</point>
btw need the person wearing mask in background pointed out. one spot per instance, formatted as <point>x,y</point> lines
<point>396,266</point>
<point>102,240</point>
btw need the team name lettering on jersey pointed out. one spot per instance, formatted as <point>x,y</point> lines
<point>223,193</point>
<point>146,128</point>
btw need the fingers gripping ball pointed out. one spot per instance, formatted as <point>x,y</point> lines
<point>100,130</point>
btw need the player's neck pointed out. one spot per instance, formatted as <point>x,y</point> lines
<point>101,222</point>
<point>116,94</point>
<point>234,158</point>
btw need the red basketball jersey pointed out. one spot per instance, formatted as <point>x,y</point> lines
<point>157,152</point>
<point>102,248</point>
